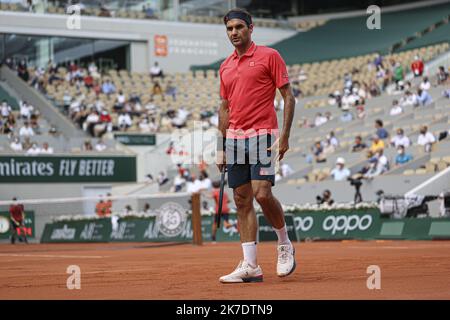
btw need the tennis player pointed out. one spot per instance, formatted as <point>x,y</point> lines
<point>249,78</point>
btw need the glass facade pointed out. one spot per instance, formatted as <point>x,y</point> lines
<point>38,50</point>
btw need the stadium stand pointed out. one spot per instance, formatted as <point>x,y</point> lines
<point>317,71</point>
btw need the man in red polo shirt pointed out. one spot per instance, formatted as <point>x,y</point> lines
<point>249,78</point>
<point>17,219</point>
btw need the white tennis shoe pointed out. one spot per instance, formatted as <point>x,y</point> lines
<point>243,273</point>
<point>286,260</point>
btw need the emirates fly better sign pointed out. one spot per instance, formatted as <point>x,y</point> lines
<point>67,169</point>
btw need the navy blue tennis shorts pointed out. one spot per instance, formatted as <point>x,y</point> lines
<point>248,159</point>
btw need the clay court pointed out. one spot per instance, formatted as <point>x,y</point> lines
<point>326,270</point>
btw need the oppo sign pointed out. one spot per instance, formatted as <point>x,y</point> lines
<point>336,224</point>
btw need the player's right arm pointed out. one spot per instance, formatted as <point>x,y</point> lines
<point>224,118</point>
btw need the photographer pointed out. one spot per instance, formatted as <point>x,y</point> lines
<point>325,199</point>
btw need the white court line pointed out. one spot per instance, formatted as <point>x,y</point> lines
<point>49,256</point>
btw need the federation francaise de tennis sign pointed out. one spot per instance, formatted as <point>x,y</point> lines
<point>41,169</point>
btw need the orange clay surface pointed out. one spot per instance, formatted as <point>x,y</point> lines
<point>326,270</point>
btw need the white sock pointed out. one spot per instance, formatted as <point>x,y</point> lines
<point>249,249</point>
<point>282,234</point>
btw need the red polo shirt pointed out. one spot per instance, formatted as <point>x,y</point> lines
<point>249,84</point>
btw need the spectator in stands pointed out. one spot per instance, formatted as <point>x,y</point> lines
<point>409,99</point>
<point>157,90</point>
<point>162,178</point>
<point>5,109</point>
<point>9,63</point>
<point>382,160</point>
<point>442,76</point>
<point>22,71</point>
<point>27,143</point>
<point>100,145</point>
<point>156,71</point>
<point>104,124</point>
<point>398,72</point>
<point>15,145</point>
<point>120,101</point>
<point>302,76</point>
<point>67,100</point>
<point>34,122</point>
<point>88,81</point>
<point>402,157</point>
<point>359,144</point>
<point>171,90</point>
<point>124,121</point>
<point>87,145</point>
<point>181,118</point>
<point>150,107</point>
<point>193,184</point>
<point>334,98</point>
<point>286,169</point>
<point>304,123</point>
<point>340,173</point>
<point>34,150</point>
<point>360,112</point>
<point>91,121</point>
<point>9,125</point>
<point>424,97</point>
<point>104,11</point>
<point>426,139</point>
<point>348,81</point>
<point>396,108</point>
<point>328,148</point>
<point>378,164</point>
<point>373,169</point>
<point>178,182</point>
<point>99,105</point>
<point>144,126</point>
<point>446,93</point>
<point>378,61</point>
<point>417,66</point>
<point>317,150</point>
<point>101,208</point>
<point>214,120</point>
<point>425,85</point>
<point>347,100</point>
<point>149,12</point>
<point>53,131</point>
<point>377,143</point>
<point>325,199</point>
<point>400,139</point>
<point>93,70</point>
<point>332,140</point>
<point>26,130</point>
<point>346,116</point>
<point>374,89</point>
<point>108,87</point>
<point>205,183</point>
<point>319,120</point>
<point>381,132</point>
<point>46,149</point>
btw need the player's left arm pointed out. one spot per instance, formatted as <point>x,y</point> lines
<point>288,116</point>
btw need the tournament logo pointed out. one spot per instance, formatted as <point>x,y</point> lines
<point>171,219</point>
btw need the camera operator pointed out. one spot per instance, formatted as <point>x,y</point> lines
<point>325,199</point>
